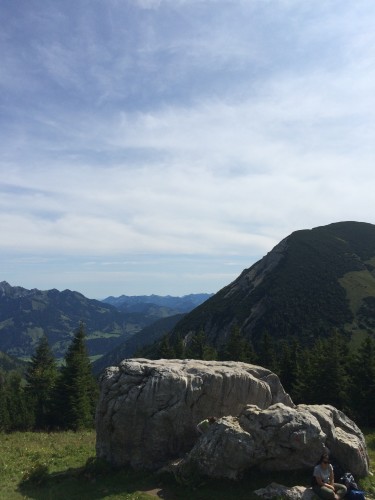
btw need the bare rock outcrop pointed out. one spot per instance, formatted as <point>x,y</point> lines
<point>275,490</point>
<point>276,438</point>
<point>148,409</point>
<point>344,438</point>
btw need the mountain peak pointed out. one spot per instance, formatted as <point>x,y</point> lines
<point>313,281</point>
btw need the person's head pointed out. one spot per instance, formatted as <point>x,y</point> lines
<point>324,460</point>
<point>211,419</point>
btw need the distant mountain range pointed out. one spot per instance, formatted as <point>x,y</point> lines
<point>147,303</point>
<point>312,282</point>
<point>26,315</point>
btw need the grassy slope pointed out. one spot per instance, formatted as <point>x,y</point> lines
<point>65,454</point>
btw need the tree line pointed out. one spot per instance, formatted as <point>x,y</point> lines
<point>328,371</point>
<point>50,398</point>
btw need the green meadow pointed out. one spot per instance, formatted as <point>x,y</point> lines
<point>61,466</point>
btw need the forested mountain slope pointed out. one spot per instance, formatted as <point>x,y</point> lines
<point>129,348</point>
<point>312,282</point>
<point>27,315</point>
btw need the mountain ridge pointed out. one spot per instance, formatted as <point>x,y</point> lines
<point>300,288</point>
<point>27,315</point>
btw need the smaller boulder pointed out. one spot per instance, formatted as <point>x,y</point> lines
<point>344,440</point>
<point>274,439</point>
<point>275,490</point>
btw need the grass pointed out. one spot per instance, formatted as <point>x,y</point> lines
<point>60,466</point>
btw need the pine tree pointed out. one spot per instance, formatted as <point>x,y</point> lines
<point>41,378</point>
<point>21,417</point>
<point>4,413</point>
<point>301,387</point>
<point>179,348</point>
<point>196,346</point>
<point>76,391</point>
<point>237,348</point>
<point>267,352</point>
<point>287,364</point>
<point>363,383</point>
<point>334,371</point>
<point>166,351</point>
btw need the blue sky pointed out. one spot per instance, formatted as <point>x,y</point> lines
<point>162,146</point>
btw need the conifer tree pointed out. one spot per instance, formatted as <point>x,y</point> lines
<point>166,351</point>
<point>4,413</point>
<point>237,348</point>
<point>21,416</point>
<point>41,378</point>
<point>300,389</point>
<point>363,383</point>
<point>179,348</point>
<point>76,391</point>
<point>287,364</point>
<point>335,377</point>
<point>267,352</point>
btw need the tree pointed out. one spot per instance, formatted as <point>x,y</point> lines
<point>166,351</point>
<point>363,383</point>
<point>76,391</point>
<point>41,378</point>
<point>287,364</point>
<point>4,412</point>
<point>21,417</point>
<point>199,348</point>
<point>237,348</point>
<point>267,351</point>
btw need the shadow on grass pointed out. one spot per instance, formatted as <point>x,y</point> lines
<point>97,480</point>
<point>94,481</point>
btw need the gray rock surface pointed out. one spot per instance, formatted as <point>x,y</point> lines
<point>148,409</point>
<point>276,438</point>
<point>344,438</point>
<point>275,490</point>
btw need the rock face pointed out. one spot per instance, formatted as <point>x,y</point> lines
<point>275,490</point>
<point>277,438</point>
<point>344,439</point>
<point>148,409</point>
<point>148,412</point>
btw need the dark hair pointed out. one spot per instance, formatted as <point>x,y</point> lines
<point>324,457</point>
<point>211,419</point>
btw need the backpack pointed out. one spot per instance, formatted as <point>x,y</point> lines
<point>349,481</point>
<point>355,495</point>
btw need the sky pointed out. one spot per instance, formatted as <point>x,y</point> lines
<point>163,146</point>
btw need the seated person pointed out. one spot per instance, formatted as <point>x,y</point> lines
<point>323,481</point>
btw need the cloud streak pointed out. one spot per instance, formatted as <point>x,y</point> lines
<point>208,129</point>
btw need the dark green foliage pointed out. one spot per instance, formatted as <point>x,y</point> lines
<point>267,351</point>
<point>41,378</point>
<point>321,375</point>
<point>287,363</point>
<point>296,290</point>
<point>362,370</point>
<point>237,348</point>
<point>166,351</point>
<point>17,414</point>
<point>140,344</point>
<point>199,348</point>
<point>76,389</point>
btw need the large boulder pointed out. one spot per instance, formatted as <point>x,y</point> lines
<point>148,409</point>
<point>276,438</point>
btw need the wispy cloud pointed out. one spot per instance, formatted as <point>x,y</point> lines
<point>209,128</point>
